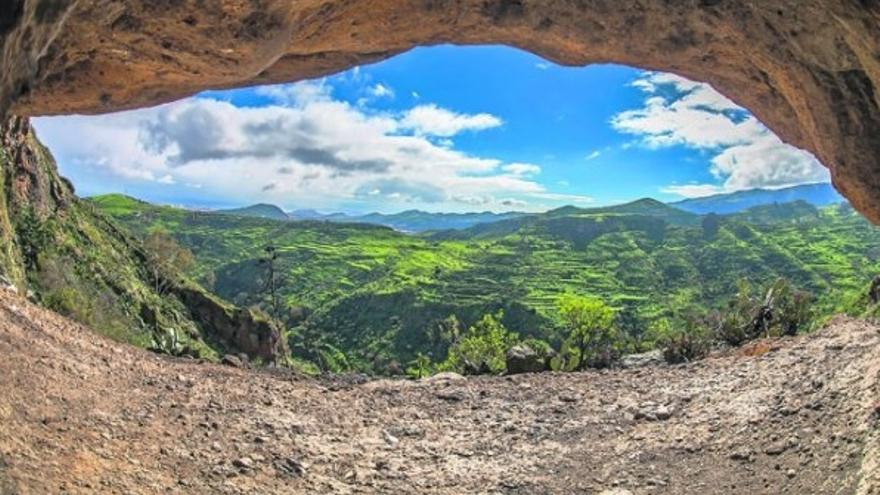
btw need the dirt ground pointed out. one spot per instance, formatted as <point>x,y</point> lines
<point>81,414</point>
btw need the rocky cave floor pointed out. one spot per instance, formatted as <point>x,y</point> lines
<point>81,414</point>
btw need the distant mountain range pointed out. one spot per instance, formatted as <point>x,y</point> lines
<point>405,221</point>
<point>679,213</point>
<point>722,204</point>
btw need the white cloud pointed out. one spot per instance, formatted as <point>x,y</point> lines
<point>297,94</point>
<point>567,198</point>
<point>680,112</point>
<point>431,120</point>
<point>595,154</point>
<point>521,169</point>
<point>305,149</point>
<point>379,90</point>
<point>542,65</point>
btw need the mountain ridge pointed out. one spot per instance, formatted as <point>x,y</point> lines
<point>373,295</point>
<point>818,194</point>
<point>414,220</point>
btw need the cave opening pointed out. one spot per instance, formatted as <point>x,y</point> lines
<point>698,291</point>
<point>380,213</point>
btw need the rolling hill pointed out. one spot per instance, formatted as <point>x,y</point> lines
<point>261,210</point>
<point>361,296</point>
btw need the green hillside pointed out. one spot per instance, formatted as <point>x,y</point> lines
<point>71,257</point>
<point>261,210</point>
<point>376,295</point>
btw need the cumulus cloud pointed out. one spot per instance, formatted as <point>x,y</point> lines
<point>595,154</point>
<point>296,94</point>
<point>431,120</point>
<point>203,130</point>
<point>745,154</point>
<point>304,148</point>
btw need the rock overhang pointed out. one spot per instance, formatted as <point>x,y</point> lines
<point>808,69</point>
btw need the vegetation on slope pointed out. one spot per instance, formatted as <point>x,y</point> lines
<point>367,297</point>
<point>73,258</point>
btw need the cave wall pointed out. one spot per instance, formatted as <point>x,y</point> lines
<point>809,69</point>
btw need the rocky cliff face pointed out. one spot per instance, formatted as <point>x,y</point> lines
<point>73,259</point>
<point>809,69</point>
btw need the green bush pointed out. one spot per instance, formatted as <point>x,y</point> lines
<point>592,341</point>
<point>420,367</point>
<point>794,309</point>
<point>483,347</point>
<point>778,310</point>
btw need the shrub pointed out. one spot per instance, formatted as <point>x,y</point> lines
<point>781,310</point>
<point>592,340</point>
<point>683,340</point>
<point>794,310</point>
<point>166,259</point>
<point>483,347</point>
<point>64,290</point>
<point>420,367</point>
<point>33,236</point>
<point>632,329</point>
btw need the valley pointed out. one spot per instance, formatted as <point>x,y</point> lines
<point>369,298</point>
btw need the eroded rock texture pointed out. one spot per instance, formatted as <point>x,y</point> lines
<point>84,415</point>
<point>807,68</point>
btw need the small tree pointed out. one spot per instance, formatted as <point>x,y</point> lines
<point>483,348</point>
<point>591,331</point>
<point>631,327</point>
<point>166,259</point>
<point>420,367</point>
<point>448,330</point>
<point>272,280</point>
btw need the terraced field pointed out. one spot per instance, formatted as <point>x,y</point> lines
<point>377,295</point>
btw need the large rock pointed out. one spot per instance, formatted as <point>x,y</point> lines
<point>809,69</point>
<point>242,329</point>
<point>523,359</point>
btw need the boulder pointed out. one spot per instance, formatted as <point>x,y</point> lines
<point>231,360</point>
<point>523,359</point>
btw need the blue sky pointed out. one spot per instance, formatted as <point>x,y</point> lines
<point>442,129</point>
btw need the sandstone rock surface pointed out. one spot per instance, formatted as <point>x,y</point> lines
<point>809,69</point>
